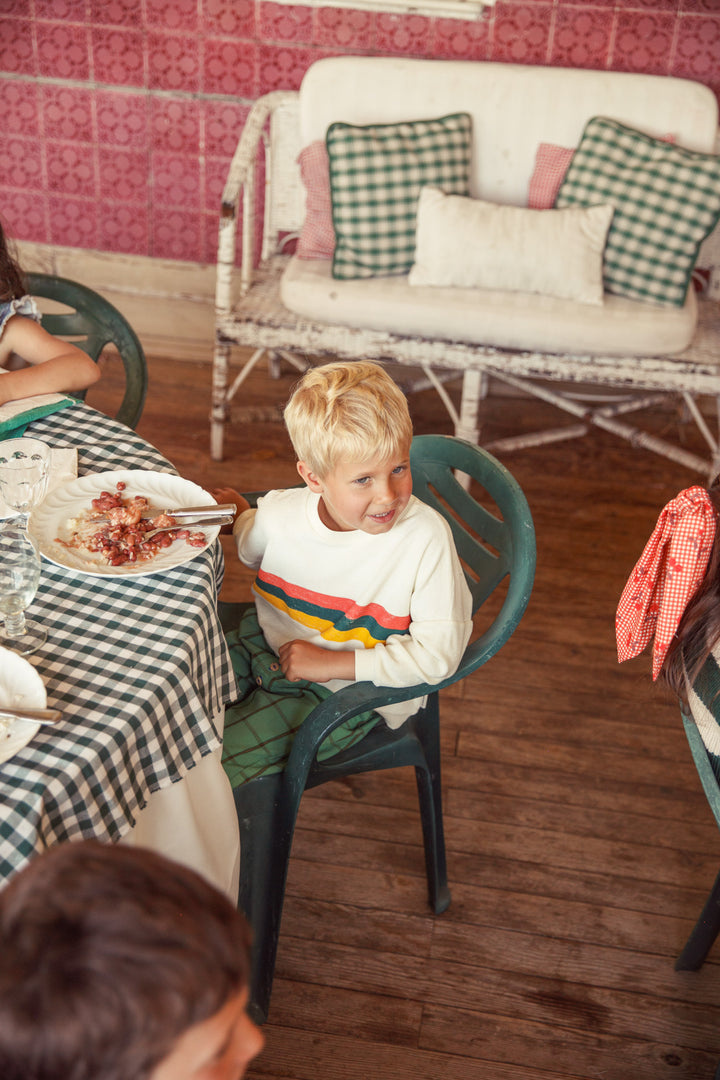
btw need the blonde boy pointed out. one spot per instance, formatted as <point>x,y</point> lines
<point>356,578</point>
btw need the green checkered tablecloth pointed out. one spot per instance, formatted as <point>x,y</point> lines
<point>139,667</point>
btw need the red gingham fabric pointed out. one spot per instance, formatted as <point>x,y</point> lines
<point>551,164</point>
<point>666,576</point>
<point>317,236</point>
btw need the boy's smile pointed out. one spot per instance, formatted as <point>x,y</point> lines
<point>367,495</point>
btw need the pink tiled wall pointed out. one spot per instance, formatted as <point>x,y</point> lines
<point>120,116</point>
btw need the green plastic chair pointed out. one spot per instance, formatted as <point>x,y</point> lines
<point>491,548</point>
<point>706,929</point>
<point>92,324</point>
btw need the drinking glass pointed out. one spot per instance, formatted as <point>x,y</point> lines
<point>19,579</point>
<point>24,471</point>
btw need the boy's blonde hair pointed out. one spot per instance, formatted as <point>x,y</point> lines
<point>346,411</point>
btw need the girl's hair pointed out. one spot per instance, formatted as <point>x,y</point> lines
<point>12,282</point>
<point>699,629</point>
<point>108,954</point>
<point>346,411</point>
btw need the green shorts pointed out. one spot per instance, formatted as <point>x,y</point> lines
<point>261,724</point>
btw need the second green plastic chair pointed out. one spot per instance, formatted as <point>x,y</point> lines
<point>91,324</point>
<point>707,927</point>
<point>493,544</point>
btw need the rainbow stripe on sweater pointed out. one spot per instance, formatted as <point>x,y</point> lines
<point>335,618</point>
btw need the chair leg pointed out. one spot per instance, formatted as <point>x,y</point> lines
<point>703,934</point>
<point>265,843</point>
<point>430,798</point>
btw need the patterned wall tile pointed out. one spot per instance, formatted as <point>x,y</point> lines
<point>122,118</point>
<point>216,171</point>
<point>173,14</point>
<point>404,35</point>
<point>20,9</point>
<point>224,121</point>
<point>20,107</point>
<point>118,56</point>
<point>456,39</point>
<point>72,10</point>
<point>176,234</point>
<point>123,174</point>
<point>176,180</point>
<point>115,12</point>
<point>283,22</point>
<point>281,67</point>
<point>341,28</point>
<point>643,42</point>
<point>697,50</point>
<point>124,228</point>
<point>21,163</point>
<point>176,124</point>
<point>18,53</point>
<point>709,6</point>
<point>656,5</point>
<point>581,38</point>
<point>230,67</point>
<point>173,61</point>
<point>63,50</point>
<point>521,33</point>
<point>67,113</point>
<point>231,18</point>
<point>73,222</point>
<point>25,215</point>
<point>70,167</point>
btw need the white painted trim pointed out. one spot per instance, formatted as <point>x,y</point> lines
<point>444,9</point>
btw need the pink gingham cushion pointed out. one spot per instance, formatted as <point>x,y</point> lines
<point>551,164</point>
<point>317,236</point>
<point>666,576</point>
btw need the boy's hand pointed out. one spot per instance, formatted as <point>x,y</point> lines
<point>230,495</point>
<point>303,660</point>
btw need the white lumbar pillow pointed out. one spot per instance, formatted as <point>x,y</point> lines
<point>469,243</point>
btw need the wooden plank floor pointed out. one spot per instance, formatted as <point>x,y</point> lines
<point>580,846</point>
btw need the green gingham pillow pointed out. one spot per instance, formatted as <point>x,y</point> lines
<point>666,199</point>
<point>376,173</point>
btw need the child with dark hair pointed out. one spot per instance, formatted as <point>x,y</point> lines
<point>51,365</point>
<point>119,964</point>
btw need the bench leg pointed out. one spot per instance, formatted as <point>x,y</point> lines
<point>219,407</point>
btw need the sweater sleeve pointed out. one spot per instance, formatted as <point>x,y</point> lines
<point>249,539</point>
<point>440,626</point>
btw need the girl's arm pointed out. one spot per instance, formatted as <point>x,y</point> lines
<point>55,365</point>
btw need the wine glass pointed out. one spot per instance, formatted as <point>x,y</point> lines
<point>19,579</point>
<point>24,471</point>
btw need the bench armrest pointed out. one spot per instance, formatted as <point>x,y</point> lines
<point>241,178</point>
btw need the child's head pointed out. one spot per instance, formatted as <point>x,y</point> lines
<point>347,411</point>
<point>118,963</point>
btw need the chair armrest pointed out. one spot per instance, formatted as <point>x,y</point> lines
<point>241,177</point>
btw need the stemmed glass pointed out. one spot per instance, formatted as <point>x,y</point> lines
<point>24,471</point>
<point>19,579</point>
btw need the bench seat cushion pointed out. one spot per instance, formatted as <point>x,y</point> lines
<point>513,320</point>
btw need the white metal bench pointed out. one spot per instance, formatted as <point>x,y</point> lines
<point>250,312</point>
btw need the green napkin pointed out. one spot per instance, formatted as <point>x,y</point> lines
<point>16,425</point>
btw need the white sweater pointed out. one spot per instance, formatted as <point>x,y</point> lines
<point>399,598</point>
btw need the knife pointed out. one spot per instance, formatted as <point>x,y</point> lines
<point>35,716</point>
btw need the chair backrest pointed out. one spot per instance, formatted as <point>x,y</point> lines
<point>709,781</point>
<point>493,541</point>
<point>92,323</point>
<point>701,719</point>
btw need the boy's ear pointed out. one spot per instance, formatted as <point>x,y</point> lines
<point>310,478</point>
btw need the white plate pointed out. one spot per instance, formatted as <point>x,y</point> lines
<point>20,685</point>
<point>50,519</point>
